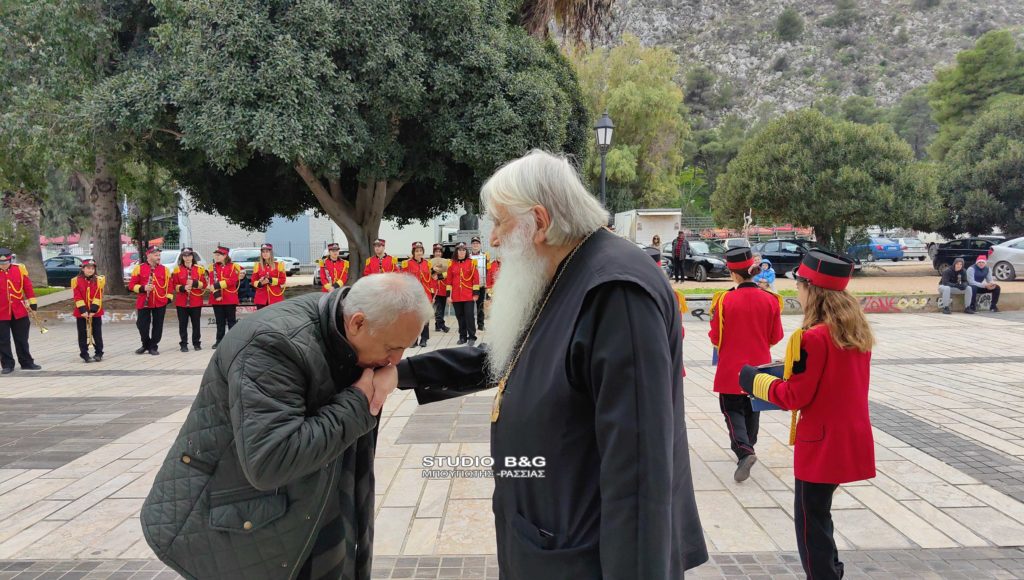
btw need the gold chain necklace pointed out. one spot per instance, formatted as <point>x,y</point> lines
<point>496,407</point>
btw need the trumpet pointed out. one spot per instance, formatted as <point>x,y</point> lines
<point>35,318</point>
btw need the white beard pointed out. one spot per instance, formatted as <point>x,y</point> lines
<point>517,294</point>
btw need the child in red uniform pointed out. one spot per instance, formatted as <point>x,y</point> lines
<point>828,364</point>
<point>87,289</point>
<point>464,290</point>
<point>745,322</point>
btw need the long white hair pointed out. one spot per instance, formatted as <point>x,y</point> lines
<point>548,180</point>
<point>382,298</point>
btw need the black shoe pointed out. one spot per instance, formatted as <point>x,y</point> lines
<point>7,371</point>
<point>480,327</point>
<point>31,367</point>
<point>743,468</point>
<point>472,341</point>
<point>97,358</point>
<point>85,358</point>
<point>969,311</point>
<point>445,329</point>
<point>153,351</point>
<point>215,345</point>
<point>184,348</point>
<point>141,350</point>
<point>196,347</point>
<point>945,310</point>
<point>423,342</point>
<point>437,328</point>
<point>994,308</point>
<point>461,341</point>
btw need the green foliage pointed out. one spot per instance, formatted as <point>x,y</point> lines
<point>426,97</point>
<point>926,4</point>
<point>635,85</point>
<point>911,118</point>
<point>714,148</point>
<point>984,172</point>
<point>780,64</point>
<point>10,237</point>
<point>705,92</point>
<point>862,110</point>
<point>846,15</point>
<point>959,93</point>
<point>789,25</point>
<point>807,169</point>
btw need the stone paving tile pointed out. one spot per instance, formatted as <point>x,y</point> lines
<point>968,563</point>
<point>999,470</point>
<point>118,373</point>
<point>460,420</point>
<point>46,433</point>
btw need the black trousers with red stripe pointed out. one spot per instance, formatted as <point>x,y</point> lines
<point>742,421</point>
<point>815,538</point>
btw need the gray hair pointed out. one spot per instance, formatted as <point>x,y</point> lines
<point>548,180</point>
<point>382,298</point>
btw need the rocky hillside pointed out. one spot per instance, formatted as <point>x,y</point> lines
<point>875,48</point>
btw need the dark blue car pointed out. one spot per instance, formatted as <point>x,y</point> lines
<point>877,249</point>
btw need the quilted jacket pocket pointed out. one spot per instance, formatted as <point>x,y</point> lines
<point>248,515</point>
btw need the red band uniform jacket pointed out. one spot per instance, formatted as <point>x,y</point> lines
<point>829,386</point>
<point>15,287</point>
<point>333,274</point>
<point>745,323</point>
<point>88,295</point>
<point>383,265</point>
<point>157,298</point>
<point>463,280</point>
<point>422,271</point>
<point>188,294</point>
<point>225,277</point>
<point>273,291</point>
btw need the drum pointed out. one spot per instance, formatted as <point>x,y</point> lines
<point>777,369</point>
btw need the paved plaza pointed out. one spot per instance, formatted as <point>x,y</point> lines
<point>80,445</point>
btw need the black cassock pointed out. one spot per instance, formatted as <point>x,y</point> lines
<point>597,396</point>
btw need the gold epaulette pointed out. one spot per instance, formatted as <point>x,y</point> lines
<point>716,304</point>
<point>74,282</point>
<point>779,297</point>
<point>101,282</point>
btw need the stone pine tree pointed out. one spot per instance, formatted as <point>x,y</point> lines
<point>808,169</point>
<point>789,25</point>
<point>358,109</point>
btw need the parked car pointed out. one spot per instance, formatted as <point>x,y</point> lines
<point>246,258</point>
<point>786,254</point>
<point>705,260</point>
<point>168,258</point>
<point>913,248</point>
<point>1007,260</point>
<point>877,249</point>
<point>967,248</point>
<point>731,243</point>
<point>291,263</point>
<point>61,269</point>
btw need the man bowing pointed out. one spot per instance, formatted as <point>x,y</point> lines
<point>578,397</point>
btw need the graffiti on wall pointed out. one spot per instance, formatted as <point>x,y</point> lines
<point>893,304</point>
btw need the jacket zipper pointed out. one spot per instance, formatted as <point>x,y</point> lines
<point>301,559</point>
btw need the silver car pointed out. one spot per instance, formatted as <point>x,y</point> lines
<point>913,248</point>
<point>1007,259</point>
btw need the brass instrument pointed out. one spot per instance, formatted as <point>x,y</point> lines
<point>214,283</point>
<point>35,318</point>
<point>88,322</point>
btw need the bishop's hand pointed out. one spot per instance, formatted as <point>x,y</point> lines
<point>385,381</point>
<point>747,375</point>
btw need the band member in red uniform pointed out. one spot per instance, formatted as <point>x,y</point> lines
<point>151,281</point>
<point>492,272</point>
<point>463,289</point>
<point>745,322</point>
<point>825,378</point>
<point>87,289</point>
<point>381,262</point>
<point>15,288</point>
<point>421,268</point>
<point>439,271</point>
<point>189,283</point>
<point>224,279</point>
<point>333,269</point>
<point>268,278</point>
<point>483,265</point>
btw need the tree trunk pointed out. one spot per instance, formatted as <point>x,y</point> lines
<point>106,226</point>
<point>361,223</point>
<point>26,209</point>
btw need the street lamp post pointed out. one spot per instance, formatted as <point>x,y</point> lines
<point>604,130</point>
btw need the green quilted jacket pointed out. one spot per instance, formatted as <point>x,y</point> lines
<point>275,428</point>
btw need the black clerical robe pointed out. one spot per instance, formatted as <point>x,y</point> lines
<point>596,405</point>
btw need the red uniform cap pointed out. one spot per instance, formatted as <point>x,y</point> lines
<point>438,247</point>
<point>826,270</point>
<point>378,242</point>
<point>187,252</point>
<point>88,262</point>
<point>5,255</point>
<point>739,259</point>
<point>417,245</point>
<point>267,247</point>
<point>221,250</point>
<point>153,250</point>
<point>333,247</point>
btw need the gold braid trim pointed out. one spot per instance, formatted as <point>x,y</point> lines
<point>792,356</point>
<point>716,302</point>
<point>763,384</point>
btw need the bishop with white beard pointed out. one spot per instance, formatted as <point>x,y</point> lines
<point>586,353</point>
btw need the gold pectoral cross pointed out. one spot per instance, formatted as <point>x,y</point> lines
<point>496,407</point>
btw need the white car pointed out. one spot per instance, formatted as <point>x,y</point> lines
<point>913,248</point>
<point>291,264</point>
<point>168,258</point>
<point>1007,259</point>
